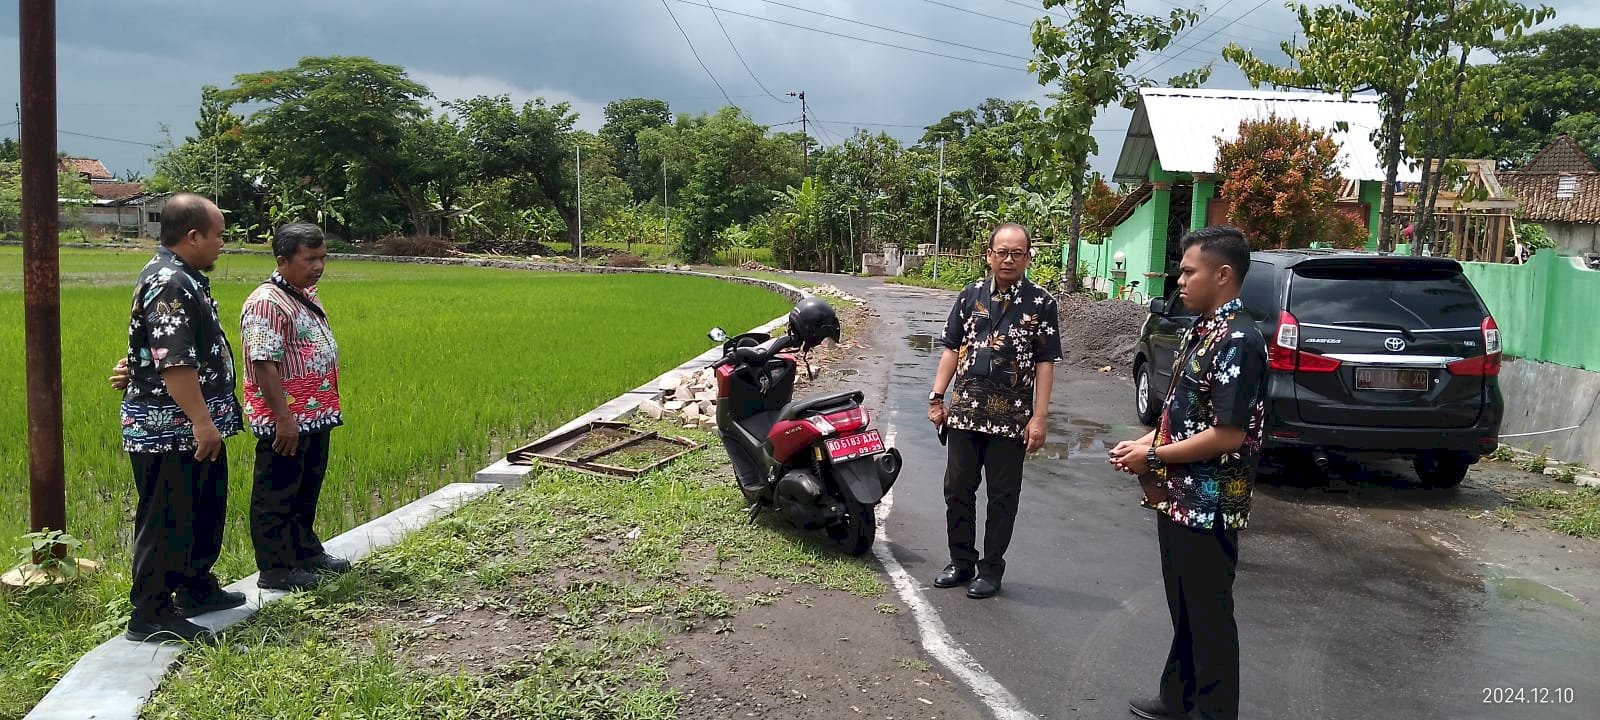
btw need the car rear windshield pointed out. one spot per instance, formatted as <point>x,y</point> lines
<point>1412,297</point>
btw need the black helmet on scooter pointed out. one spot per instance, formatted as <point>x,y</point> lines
<point>813,321</point>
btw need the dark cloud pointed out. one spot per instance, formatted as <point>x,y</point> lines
<point>126,69</point>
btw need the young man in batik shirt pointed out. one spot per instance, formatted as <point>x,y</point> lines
<point>1201,461</point>
<point>1001,343</point>
<point>291,393</point>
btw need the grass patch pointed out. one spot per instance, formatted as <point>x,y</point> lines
<point>591,578</point>
<point>443,369</point>
<point>1576,512</point>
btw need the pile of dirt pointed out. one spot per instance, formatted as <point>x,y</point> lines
<point>1099,333</point>
<point>753,265</point>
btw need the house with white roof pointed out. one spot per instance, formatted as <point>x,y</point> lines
<point>1170,151</point>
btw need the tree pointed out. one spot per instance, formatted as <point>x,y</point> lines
<point>1385,46</point>
<point>1281,179</point>
<point>338,123</point>
<point>729,168</point>
<point>217,162</point>
<point>532,145</point>
<point>1101,202</point>
<point>1553,78</point>
<point>71,189</point>
<point>1088,60</point>
<point>625,119</point>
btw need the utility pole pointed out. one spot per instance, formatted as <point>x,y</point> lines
<point>938,211</point>
<point>805,147</point>
<point>41,269</point>
<point>580,203</point>
<point>666,215</point>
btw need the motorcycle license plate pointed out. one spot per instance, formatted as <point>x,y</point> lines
<point>850,447</point>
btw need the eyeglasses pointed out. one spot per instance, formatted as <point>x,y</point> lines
<point>1012,255</point>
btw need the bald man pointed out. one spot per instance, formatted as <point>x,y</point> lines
<point>178,407</point>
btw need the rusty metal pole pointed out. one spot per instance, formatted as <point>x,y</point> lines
<point>41,280</point>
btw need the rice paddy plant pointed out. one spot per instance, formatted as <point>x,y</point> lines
<point>442,370</point>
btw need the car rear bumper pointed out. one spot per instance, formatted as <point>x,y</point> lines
<point>1286,430</point>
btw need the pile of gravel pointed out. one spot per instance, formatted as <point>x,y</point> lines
<point>1100,333</point>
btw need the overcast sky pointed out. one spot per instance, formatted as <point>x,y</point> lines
<point>127,68</point>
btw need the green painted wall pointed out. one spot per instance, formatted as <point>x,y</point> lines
<point>1545,309</point>
<point>1204,191</point>
<point>1132,238</point>
<point>1372,194</point>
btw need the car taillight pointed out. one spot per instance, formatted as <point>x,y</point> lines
<point>1487,364</point>
<point>1284,353</point>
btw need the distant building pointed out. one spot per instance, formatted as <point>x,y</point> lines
<point>123,209</point>
<point>1560,190</point>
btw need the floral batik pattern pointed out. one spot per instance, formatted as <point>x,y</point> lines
<point>1219,379</point>
<point>275,327</point>
<point>984,404</point>
<point>173,323</point>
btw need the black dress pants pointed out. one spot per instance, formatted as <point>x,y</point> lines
<point>1202,671</point>
<point>973,458</point>
<point>283,502</point>
<point>177,526</point>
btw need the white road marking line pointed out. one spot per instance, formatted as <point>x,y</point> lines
<point>938,643</point>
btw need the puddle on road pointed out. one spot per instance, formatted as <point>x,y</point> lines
<point>1515,588</point>
<point>923,341</point>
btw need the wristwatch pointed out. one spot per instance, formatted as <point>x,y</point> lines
<point>934,397</point>
<point>1153,460</point>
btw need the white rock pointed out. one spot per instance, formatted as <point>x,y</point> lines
<point>651,409</point>
<point>706,396</point>
<point>670,382</point>
<point>692,412</point>
<point>708,407</point>
<point>674,406</point>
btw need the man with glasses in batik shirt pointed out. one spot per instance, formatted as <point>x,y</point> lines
<point>1001,344</point>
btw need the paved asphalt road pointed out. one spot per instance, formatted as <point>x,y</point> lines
<point>1342,613</point>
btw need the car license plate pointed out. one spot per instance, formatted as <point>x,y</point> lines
<point>1392,379</point>
<point>850,447</point>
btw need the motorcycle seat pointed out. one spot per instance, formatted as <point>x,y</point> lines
<point>759,424</point>
<point>836,401</point>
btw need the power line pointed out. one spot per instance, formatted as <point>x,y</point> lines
<point>696,53</point>
<point>859,39</point>
<point>1039,8</point>
<point>892,30</point>
<point>107,139</point>
<point>1145,66</point>
<point>740,55</point>
<point>1213,33</point>
<point>979,14</point>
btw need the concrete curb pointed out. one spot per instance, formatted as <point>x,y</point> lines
<point>116,679</point>
<point>504,473</point>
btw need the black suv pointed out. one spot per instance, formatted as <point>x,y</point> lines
<point>1367,352</point>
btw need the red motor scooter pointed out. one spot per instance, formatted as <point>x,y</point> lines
<point>816,462</point>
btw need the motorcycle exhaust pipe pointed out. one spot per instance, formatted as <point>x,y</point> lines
<point>888,466</point>
<point>1321,460</point>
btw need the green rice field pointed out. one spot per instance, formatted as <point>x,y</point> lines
<point>443,369</point>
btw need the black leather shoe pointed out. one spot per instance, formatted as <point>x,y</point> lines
<point>953,575</point>
<point>326,563</point>
<point>166,627</point>
<point>189,603</point>
<point>1152,709</point>
<point>983,587</point>
<point>288,579</point>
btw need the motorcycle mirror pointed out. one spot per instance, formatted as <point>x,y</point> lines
<point>717,335</point>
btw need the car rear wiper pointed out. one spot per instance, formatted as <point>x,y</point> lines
<point>1403,330</point>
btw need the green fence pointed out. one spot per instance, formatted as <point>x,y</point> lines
<point>1546,309</point>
